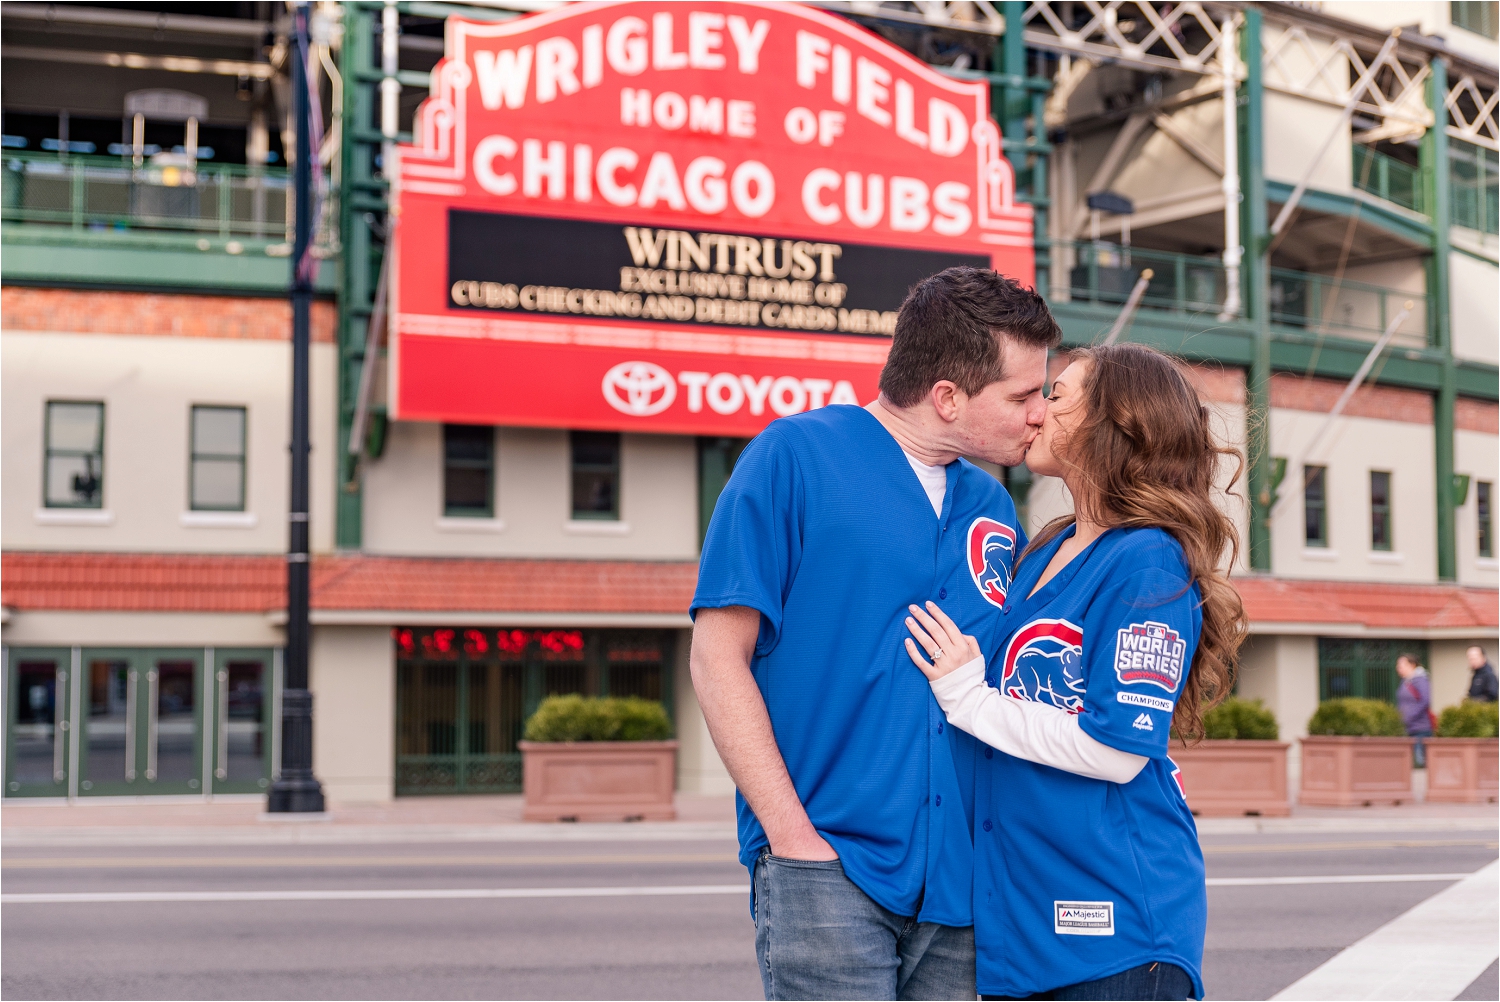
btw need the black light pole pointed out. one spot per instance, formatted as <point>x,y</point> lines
<point>296,790</point>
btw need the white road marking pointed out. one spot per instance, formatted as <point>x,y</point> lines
<point>479,893</point>
<point>1341,878</point>
<point>1433,951</point>
<point>434,894</point>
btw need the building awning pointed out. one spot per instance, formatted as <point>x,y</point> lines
<point>1356,608</point>
<point>365,589</point>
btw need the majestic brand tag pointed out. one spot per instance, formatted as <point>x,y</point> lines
<point>1083,918</point>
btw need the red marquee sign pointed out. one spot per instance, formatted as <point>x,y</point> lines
<point>673,217</point>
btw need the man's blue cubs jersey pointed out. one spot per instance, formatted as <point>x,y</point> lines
<point>826,530</point>
<point>1076,879</point>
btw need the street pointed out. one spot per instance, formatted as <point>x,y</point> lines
<point>596,917</point>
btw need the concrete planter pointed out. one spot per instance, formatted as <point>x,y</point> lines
<point>1355,771</point>
<point>1463,770</point>
<point>599,780</point>
<point>1230,778</point>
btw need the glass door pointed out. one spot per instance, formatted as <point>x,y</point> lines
<point>36,725</point>
<point>241,745</point>
<point>142,722</point>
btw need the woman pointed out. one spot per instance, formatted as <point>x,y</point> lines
<point>1088,879</point>
<point>1414,702</point>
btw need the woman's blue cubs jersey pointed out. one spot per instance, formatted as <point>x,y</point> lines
<point>1075,878</point>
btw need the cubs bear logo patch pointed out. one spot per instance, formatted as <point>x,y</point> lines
<point>1150,652</point>
<point>992,556</point>
<point>1044,663</point>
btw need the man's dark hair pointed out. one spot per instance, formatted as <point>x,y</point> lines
<point>950,328</point>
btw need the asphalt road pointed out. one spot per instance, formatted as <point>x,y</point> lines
<point>657,946</point>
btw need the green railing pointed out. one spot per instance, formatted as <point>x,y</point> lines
<point>1187,284</point>
<point>1105,273</point>
<point>1388,178</point>
<point>1473,173</point>
<point>108,193</point>
<point>1324,305</point>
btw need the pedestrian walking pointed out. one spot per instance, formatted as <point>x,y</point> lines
<point>851,808</point>
<point>1414,700</point>
<point>1483,686</point>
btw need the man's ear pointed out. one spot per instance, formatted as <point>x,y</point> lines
<point>947,399</point>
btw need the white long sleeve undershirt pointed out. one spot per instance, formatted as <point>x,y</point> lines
<point>1031,731</point>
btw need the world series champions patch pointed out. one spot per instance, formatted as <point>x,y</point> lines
<point>1150,653</point>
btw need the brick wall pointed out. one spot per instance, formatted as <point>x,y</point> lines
<point>1389,403</point>
<point>75,311</point>
<point>1477,415</point>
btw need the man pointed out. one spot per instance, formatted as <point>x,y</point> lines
<point>1483,686</point>
<point>1414,701</point>
<point>851,818</point>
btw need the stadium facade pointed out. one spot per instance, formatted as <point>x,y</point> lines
<point>510,501</point>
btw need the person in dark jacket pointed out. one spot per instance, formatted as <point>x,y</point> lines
<point>1414,700</point>
<point>1483,686</point>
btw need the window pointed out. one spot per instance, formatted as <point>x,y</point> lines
<point>1363,668</point>
<point>1380,510</point>
<point>716,459</point>
<point>468,470</point>
<point>1479,18</point>
<point>217,477</point>
<point>596,474</point>
<point>1315,505</point>
<point>74,447</point>
<point>1482,494</point>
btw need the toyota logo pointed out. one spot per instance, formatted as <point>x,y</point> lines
<point>640,389</point>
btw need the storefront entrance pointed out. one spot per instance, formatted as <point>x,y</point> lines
<point>463,695</point>
<point>90,722</point>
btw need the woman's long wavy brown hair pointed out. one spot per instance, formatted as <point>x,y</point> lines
<point>1148,458</point>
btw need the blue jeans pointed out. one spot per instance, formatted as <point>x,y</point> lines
<point>1158,981</point>
<point>1419,752</point>
<point>818,936</point>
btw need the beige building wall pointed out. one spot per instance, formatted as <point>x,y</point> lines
<point>1430,17</point>
<point>699,768</point>
<point>1282,672</point>
<point>1351,449</point>
<point>352,676</point>
<point>1450,669</point>
<point>1478,455</point>
<point>141,629</point>
<point>658,499</point>
<point>148,385</point>
<point>1474,287</point>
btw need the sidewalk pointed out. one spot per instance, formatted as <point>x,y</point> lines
<point>498,819</point>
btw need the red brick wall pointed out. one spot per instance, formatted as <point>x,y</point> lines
<point>1390,403</point>
<point>75,311</point>
<point>1477,415</point>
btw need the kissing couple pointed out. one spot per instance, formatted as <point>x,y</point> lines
<point>949,739</point>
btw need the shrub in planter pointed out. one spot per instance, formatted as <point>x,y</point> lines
<point>575,718</point>
<point>1470,720</point>
<point>1356,752</point>
<point>1462,761</point>
<point>1351,717</point>
<point>599,759</point>
<point>1242,720</point>
<point>1240,767</point>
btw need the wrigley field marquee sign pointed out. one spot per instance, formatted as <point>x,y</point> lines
<point>678,217</point>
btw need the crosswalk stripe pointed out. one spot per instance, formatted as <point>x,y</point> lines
<point>1433,951</point>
